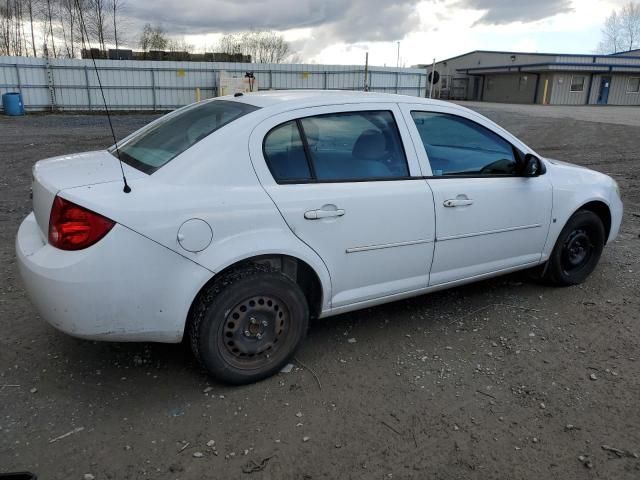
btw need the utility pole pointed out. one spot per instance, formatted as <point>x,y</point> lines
<point>398,57</point>
<point>366,72</point>
<point>433,75</point>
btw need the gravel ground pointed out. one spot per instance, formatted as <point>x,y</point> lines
<point>501,379</point>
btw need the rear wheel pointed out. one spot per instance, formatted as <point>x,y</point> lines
<point>247,324</point>
<point>577,250</point>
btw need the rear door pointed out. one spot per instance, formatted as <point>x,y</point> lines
<point>488,217</point>
<point>347,181</point>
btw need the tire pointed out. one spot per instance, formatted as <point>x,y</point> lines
<point>577,250</point>
<point>247,324</point>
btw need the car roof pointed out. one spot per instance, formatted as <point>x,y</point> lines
<point>292,99</point>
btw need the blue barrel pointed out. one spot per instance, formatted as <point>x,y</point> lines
<point>12,104</point>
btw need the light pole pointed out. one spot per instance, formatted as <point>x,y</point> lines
<point>398,57</point>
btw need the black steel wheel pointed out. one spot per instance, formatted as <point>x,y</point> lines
<point>254,330</point>
<point>248,324</point>
<point>577,250</point>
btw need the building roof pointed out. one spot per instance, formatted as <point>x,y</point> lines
<point>555,66</point>
<point>630,53</point>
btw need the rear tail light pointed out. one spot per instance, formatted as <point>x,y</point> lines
<point>72,227</point>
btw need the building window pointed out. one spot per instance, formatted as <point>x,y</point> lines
<point>577,83</point>
<point>444,83</point>
<point>633,85</point>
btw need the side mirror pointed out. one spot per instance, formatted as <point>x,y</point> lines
<point>533,166</point>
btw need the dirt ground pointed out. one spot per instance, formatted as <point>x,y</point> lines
<point>501,379</point>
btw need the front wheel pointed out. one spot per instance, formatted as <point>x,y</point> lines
<point>247,324</point>
<point>577,250</point>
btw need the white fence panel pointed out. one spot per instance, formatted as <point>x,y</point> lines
<point>72,84</point>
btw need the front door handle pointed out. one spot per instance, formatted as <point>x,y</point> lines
<point>458,202</point>
<point>317,214</point>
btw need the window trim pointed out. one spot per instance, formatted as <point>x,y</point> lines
<point>584,81</point>
<point>311,160</point>
<point>307,150</point>
<point>629,82</point>
<point>517,153</point>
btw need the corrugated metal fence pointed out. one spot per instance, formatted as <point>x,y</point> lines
<point>69,84</point>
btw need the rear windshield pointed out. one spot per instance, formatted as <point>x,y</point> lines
<point>153,148</point>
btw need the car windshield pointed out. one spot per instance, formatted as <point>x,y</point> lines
<point>158,145</point>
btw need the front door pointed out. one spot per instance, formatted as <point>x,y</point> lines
<point>603,95</point>
<point>342,180</point>
<point>488,217</point>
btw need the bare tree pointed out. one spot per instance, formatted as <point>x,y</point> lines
<point>97,21</point>
<point>31,6</point>
<point>115,8</point>
<point>152,38</point>
<point>621,30</point>
<point>231,44</point>
<point>69,22</point>
<point>12,40</point>
<point>611,35</point>
<point>5,22</point>
<point>262,46</point>
<point>630,25</point>
<point>179,45</point>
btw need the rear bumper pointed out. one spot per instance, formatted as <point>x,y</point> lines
<point>124,288</point>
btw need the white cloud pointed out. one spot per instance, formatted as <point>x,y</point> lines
<point>341,31</point>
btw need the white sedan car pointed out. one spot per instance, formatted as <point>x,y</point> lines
<point>250,214</point>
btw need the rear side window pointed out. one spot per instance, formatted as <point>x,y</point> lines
<point>351,146</point>
<point>458,146</point>
<point>285,154</point>
<point>157,146</point>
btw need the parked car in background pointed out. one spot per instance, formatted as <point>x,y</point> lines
<point>249,215</point>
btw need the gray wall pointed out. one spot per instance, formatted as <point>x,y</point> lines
<point>561,93</point>
<point>484,59</point>
<point>618,95</point>
<point>558,91</point>
<point>617,91</point>
<point>510,88</point>
<point>545,77</point>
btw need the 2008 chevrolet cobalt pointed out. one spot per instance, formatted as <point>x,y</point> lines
<point>250,214</point>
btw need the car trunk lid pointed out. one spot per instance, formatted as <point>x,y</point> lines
<point>68,171</point>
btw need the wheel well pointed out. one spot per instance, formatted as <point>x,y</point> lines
<point>294,268</point>
<point>602,210</point>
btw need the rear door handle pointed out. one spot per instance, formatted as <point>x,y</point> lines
<point>317,214</point>
<point>458,202</point>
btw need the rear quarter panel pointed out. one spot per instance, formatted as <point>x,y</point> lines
<point>213,181</point>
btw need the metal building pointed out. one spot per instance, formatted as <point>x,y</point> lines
<point>543,78</point>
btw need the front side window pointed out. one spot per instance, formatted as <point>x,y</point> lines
<point>155,147</point>
<point>634,85</point>
<point>458,146</point>
<point>577,83</point>
<point>350,146</point>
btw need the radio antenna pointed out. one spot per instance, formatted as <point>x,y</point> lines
<point>126,188</point>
